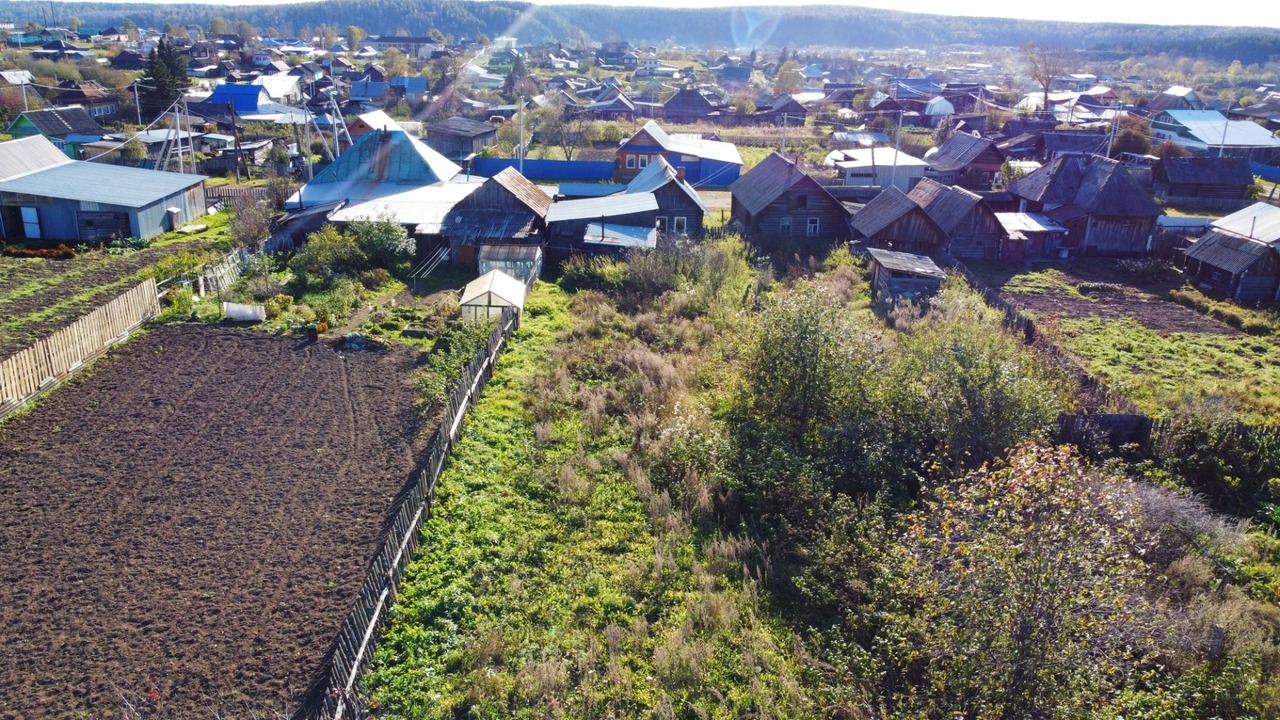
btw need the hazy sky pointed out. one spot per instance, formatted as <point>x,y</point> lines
<point>1258,13</point>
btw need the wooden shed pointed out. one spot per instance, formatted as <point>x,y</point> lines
<point>488,295</point>
<point>903,276</point>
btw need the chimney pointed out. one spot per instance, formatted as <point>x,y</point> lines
<point>680,173</point>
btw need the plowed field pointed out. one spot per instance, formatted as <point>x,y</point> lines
<point>184,527</point>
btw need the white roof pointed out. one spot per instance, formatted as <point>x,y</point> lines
<point>628,236</point>
<point>939,106</point>
<point>1259,221</point>
<point>1027,222</point>
<point>656,175</point>
<point>277,85</point>
<point>497,282</point>
<point>685,145</point>
<point>1212,128</point>
<point>885,157</point>
<point>423,207</point>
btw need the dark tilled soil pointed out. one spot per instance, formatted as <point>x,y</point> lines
<point>1153,312</point>
<point>194,514</point>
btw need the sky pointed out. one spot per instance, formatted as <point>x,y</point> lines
<point>1261,13</point>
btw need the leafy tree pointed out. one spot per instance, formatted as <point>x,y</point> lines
<point>1009,174</point>
<point>250,222</point>
<point>133,149</point>
<point>218,25</point>
<point>519,71</point>
<point>246,31</point>
<point>1130,141</point>
<point>384,241</point>
<point>396,63</point>
<point>436,35</point>
<point>355,35</point>
<point>328,254</point>
<point>483,39</point>
<point>788,81</point>
<point>563,127</point>
<point>1170,149</point>
<point>1022,593</point>
<point>74,23</point>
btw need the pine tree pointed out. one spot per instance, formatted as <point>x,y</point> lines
<point>164,79</point>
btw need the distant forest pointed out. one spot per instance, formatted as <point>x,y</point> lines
<point>741,28</point>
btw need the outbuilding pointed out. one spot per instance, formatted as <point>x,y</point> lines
<point>903,276</point>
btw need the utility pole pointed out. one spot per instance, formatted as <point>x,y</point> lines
<point>521,111</point>
<point>897,147</point>
<point>24,96</point>
<point>191,141</point>
<point>137,104</point>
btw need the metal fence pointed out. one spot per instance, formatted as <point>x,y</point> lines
<point>48,362</point>
<point>338,691</point>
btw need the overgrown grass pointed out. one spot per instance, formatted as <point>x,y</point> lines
<point>554,581</point>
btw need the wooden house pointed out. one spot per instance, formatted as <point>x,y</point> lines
<point>1029,237</point>
<point>705,162</point>
<point>617,220</point>
<point>972,229</point>
<point>688,106</point>
<point>965,160</point>
<point>1102,207</point>
<point>1226,178</point>
<point>507,209</point>
<point>1239,256</point>
<point>67,128</point>
<point>101,103</point>
<point>681,211</point>
<point>781,110</point>
<point>778,207</point>
<point>458,137</point>
<point>897,276</point>
<point>893,221</point>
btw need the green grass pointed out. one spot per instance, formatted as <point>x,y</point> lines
<point>1160,372</point>
<point>546,587</point>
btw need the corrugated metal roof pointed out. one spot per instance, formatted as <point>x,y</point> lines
<point>705,149</point>
<point>958,152</point>
<point>584,190</point>
<point>628,236</point>
<point>60,122</point>
<point>1227,252</point>
<point>391,156</point>
<point>907,262</point>
<point>1259,221</point>
<point>595,208</point>
<point>657,175</point>
<point>1213,128</point>
<point>884,157</point>
<point>27,155</point>
<point>107,184</point>
<point>461,126</point>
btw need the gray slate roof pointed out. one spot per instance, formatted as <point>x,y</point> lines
<point>1207,170</point>
<point>883,210</point>
<point>530,195</point>
<point>907,263</point>
<point>1098,185</point>
<point>27,155</point>
<point>765,182</point>
<point>958,152</point>
<point>60,122</point>
<point>947,205</point>
<point>1228,252</point>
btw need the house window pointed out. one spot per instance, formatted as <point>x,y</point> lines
<point>784,226</point>
<point>30,223</point>
<point>802,202</point>
<point>680,224</point>
<point>1216,276</point>
<point>811,229</point>
<point>631,162</point>
<point>644,160</point>
<point>661,224</point>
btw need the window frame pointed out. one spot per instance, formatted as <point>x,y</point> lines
<point>785,226</point>
<point>813,227</point>
<point>631,161</point>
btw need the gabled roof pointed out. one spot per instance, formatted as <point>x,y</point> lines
<point>461,127</point>
<point>1213,128</point>
<point>765,182</point>
<point>389,156</point>
<point>705,149</point>
<point>1228,252</point>
<point>60,122</point>
<point>958,152</point>
<point>27,155</point>
<point>1207,170</point>
<point>948,206</point>
<point>498,283</point>
<point>101,183</point>
<point>1082,142</point>
<point>1259,221</point>
<point>689,100</point>
<point>277,86</point>
<point>907,263</point>
<point>657,175</point>
<point>243,98</point>
<point>529,195</point>
<point>604,207</point>
<point>883,210</point>
<point>1093,183</point>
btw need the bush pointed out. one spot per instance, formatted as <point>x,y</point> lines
<point>375,278</point>
<point>180,301</point>
<point>275,306</point>
<point>383,242</point>
<point>262,287</point>
<point>328,254</point>
<point>604,274</point>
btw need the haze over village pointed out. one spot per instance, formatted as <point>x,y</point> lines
<point>368,359</point>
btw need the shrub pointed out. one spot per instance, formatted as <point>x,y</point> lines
<point>180,300</point>
<point>262,287</point>
<point>275,306</point>
<point>375,278</point>
<point>384,242</point>
<point>593,273</point>
<point>328,254</point>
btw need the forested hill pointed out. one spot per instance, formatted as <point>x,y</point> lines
<point>743,27</point>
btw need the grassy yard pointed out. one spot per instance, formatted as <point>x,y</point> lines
<point>1161,342</point>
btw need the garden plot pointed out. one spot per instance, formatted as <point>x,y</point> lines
<point>1127,330</point>
<point>186,525</point>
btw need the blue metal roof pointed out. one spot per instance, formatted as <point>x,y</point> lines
<point>244,98</point>
<point>106,184</point>
<point>572,189</point>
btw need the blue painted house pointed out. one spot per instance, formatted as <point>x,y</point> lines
<point>700,161</point>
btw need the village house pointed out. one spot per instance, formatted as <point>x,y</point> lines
<point>1102,207</point>
<point>705,162</point>
<point>778,207</point>
<point>973,230</point>
<point>507,209</point>
<point>1239,256</point>
<point>101,103</point>
<point>1209,132</point>
<point>893,221</point>
<point>605,225</point>
<point>680,210</point>
<point>1203,178</point>
<point>67,128</point>
<point>880,167</point>
<point>965,160</point>
<point>458,138</point>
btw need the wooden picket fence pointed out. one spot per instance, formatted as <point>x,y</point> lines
<point>48,362</point>
<point>338,690</point>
